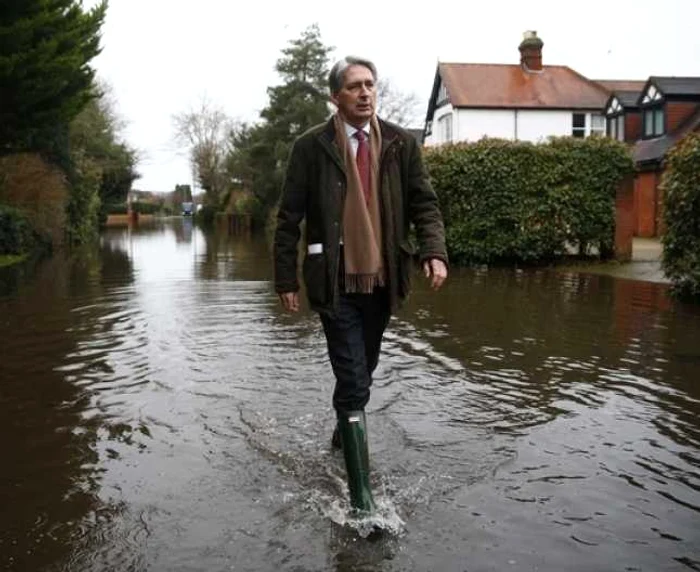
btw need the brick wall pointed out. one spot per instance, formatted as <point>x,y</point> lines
<point>645,203</point>
<point>633,126</point>
<point>677,112</point>
<point>624,220</point>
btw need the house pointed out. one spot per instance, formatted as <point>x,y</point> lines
<point>652,116</point>
<point>527,101</point>
<point>623,120</point>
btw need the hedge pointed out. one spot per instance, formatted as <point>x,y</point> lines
<point>145,208</point>
<point>515,201</point>
<point>39,190</point>
<point>115,209</point>
<point>16,233</point>
<point>680,185</point>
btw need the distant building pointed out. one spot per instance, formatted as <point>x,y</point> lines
<point>652,116</point>
<point>530,101</point>
<point>527,101</point>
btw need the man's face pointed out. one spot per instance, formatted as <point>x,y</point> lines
<point>357,99</point>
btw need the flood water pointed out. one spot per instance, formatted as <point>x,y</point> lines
<point>158,411</point>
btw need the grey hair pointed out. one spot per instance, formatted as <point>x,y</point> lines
<point>337,75</point>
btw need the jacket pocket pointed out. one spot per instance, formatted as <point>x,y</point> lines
<point>316,278</point>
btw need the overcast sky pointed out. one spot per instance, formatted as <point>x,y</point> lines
<point>162,56</point>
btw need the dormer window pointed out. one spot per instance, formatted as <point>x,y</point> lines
<point>615,115</point>
<point>652,95</point>
<point>615,107</point>
<point>654,121</point>
<point>653,116</point>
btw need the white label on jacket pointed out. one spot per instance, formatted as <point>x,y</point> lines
<point>316,248</point>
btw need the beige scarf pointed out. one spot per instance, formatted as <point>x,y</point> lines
<point>362,228</point>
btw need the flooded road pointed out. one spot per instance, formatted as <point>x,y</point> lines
<point>158,411</point>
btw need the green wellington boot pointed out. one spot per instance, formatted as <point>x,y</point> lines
<point>353,437</point>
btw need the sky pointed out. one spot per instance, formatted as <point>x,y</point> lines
<point>162,57</point>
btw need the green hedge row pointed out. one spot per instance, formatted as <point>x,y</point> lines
<point>145,208</point>
<point>681,240</point>
<point>16,233</point>
<point>115,209</point>
<point>514,201</point>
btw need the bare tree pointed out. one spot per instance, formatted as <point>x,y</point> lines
<point>205,131</point>
<point>396,106</point>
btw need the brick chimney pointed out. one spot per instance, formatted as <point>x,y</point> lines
<point>531,51</point>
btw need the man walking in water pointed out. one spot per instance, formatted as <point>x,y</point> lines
<point>359,182</point>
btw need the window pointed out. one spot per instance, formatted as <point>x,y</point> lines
<point>616,127</point>
<point>616,120</point>
<point>442,93</point>
<point>658,121</point>
<point>615,107</point>
<point>597,124</point>
<point>653,112</point>
<point>578,128</point>
<point>652,95</point>
<point>620,127</point>
<point>585,124</point>
<point>445,128</point>
<point>428,128</point>
<point>654,121</point>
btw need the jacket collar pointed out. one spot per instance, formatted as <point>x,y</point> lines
<point>327,137</point>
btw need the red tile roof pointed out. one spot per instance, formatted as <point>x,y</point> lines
<point>622,84</point>
<point>510,86</point>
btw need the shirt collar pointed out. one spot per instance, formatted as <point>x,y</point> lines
<point>350,129</point>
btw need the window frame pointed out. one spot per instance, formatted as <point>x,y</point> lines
<point>442,96</point>
<point>615,120</point>
<point>653,121</point>
<point>599,132</point>
<point>578,131</point>
<point>653,108</point>
<point>445,128</point>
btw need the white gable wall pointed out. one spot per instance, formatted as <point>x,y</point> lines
<point>537,125</point>
<point>524,125</point>
<point>473,124</point>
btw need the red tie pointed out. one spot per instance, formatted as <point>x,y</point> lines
<point>363,162</point>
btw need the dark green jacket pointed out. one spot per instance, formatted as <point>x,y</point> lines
<point>314,191</point>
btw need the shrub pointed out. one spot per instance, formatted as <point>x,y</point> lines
<point>145,208</point>
<point>16,233</point>
<point>115,209</point>
<point>506,201</point>
<point>680,185</point>
<point>206,215</point>
<point>84,201</point>
<point>39,190</point>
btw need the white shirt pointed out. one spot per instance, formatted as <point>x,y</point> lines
<point>350,132</point>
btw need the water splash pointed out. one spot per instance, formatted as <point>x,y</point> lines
<point>385,518</point>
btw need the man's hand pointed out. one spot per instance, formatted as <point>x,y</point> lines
<point>290,301</point>
<point>436,270</point>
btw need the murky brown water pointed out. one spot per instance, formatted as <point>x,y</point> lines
<point>159,412</point>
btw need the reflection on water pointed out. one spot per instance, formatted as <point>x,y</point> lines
<point>159,412</point>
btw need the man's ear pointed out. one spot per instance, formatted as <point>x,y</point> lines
<point>334,99</point>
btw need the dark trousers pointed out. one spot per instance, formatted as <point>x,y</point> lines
<point>354,337</point>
